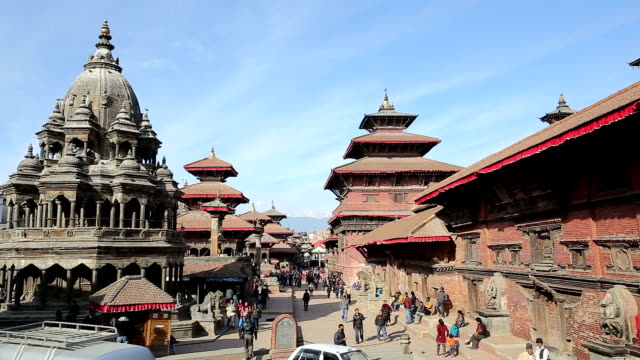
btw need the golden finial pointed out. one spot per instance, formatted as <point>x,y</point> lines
<point>105,28</point>
<point>212,154</point>
<point>386,105</point>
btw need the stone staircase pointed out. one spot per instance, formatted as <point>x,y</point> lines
<point>502,347</point>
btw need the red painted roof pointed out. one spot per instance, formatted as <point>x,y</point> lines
<point>609,110</point>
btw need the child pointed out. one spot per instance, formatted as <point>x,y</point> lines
<point>455,331</point>
<point>454,346</point>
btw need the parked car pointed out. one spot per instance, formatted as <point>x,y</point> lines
<point>328,352</point>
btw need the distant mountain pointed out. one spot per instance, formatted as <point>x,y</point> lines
<point>305,224</point>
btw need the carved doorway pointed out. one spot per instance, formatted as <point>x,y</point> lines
<point>548,311</point>
<point>472,292</point>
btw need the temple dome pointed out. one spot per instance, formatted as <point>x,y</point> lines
<point>163,171</point>
<point>129,164</point>
<point>103,85</point>
<point>30,163</point>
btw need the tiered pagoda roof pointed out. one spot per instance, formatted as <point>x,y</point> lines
<point>274,214</point>
<point>212,173</point>
<point>276,229</point>
<point>389,171</point>
<point>199,220</point>
<point>211,167</point>
<point>254,216</point>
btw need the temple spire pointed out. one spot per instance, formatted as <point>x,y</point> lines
<point>105,37</point>
<point>212,154</point>
<point>386,105</point>
<point>273,205</point>
<point>103,58</point>
<point>561,111</point>
<point>29,154</point>
<point>561,101</point>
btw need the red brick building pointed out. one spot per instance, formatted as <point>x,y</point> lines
<point>382,183</point>
<point>546,233</point>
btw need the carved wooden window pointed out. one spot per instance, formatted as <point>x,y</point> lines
<point>371,198</point>
<point>471,248</point>
<point>499,255</point>
<point>515,256</point>
<point>399,197</point>
<point>578,258</point>
<point>542,247</point>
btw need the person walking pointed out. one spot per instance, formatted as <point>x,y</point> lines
<point>386,311</point>
<point>381,326</point>
<point>264,296</point>
<point>408,308</point>
<point>441,338</point>
<point>248,333</point>
<point>358,325</point>
<point>339,338</point>
<point>542,353</point>
<point>441,301</point>
<point>481,333</point>
<point>344,308</point>
<point>256,314</point>
<point>527,354</point>
<point>305,300</point>
<point>231,314</point>
<point>328,291</point>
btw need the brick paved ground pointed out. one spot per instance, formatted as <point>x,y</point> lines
<point>318,326</point>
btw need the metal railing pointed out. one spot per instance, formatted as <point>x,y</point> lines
<point>58,334</point>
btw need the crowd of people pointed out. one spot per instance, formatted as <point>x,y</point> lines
<point>447,343</point>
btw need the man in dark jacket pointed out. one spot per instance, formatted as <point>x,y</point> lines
<point>248,331</point>
<point>381,326</point>
<point>339,338</point>
<point>305,300</point>
<point>358,326</point>
<point>264,296</point>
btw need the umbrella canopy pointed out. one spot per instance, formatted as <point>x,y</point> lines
<point>131,293</point>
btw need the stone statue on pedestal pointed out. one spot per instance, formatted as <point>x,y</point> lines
<point>491,295</point>
<point>612,320</point>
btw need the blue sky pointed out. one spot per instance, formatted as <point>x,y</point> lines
<point>279,88</point>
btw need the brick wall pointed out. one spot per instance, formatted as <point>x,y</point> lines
<point>584,322</point>
<point>520,319</point>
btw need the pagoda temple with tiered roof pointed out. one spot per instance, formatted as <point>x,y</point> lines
<point>382,183</point>
<point>196,223</point>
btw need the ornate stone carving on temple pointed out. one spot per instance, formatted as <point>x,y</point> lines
<point>93,204</point>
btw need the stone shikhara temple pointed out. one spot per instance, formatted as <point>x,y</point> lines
<point>93,204</point>
<point>540,239</point>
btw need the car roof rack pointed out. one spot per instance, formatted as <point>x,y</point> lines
<point>58,334</point>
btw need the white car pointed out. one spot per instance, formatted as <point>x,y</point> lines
<point>328,352</point>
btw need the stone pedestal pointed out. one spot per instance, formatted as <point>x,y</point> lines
<point>497,321</point>
<point>374,303</point>
<point>633,352</point>
<point>209,326</point>
<point>605,350</point>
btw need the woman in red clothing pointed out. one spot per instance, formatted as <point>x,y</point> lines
<point>441,338</point>
<point>386,311</point>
